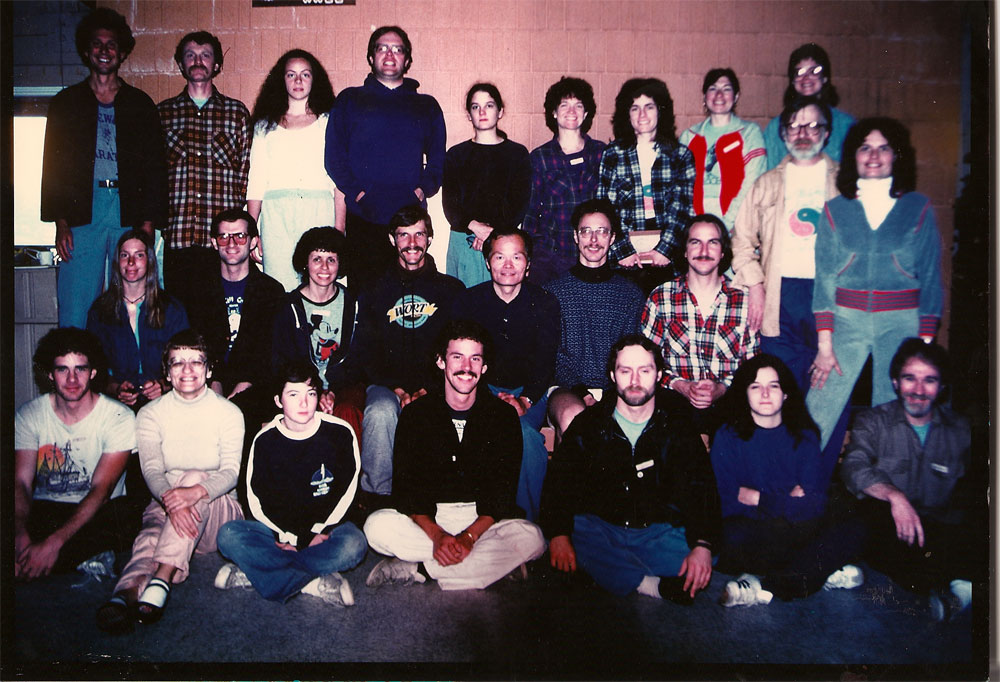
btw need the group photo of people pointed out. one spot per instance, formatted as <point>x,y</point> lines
<point>638,367</point>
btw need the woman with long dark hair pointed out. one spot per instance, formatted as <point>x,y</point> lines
<point>487,183</point>
<point>647,175</point>
<point>773,490</point>
<point>288,190</point>
<point>809,75</point>
<point>134,319</point>
<point>728,151</point>
<point>878,269</point>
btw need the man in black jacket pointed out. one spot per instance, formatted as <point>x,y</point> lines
<point>235,311</point>
<point>103,168</point>
<point>630,493</point>
<point>399,322</point>
<point>457,457</point>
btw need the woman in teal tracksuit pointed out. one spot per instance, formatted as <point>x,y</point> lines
<point>878,268</point>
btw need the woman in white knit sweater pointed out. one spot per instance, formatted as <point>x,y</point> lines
<point>190,441</point>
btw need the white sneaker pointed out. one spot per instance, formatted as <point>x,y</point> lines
<point>335,590</point>
<point>846,577</point>
<point>230,576</point>
<point>394,571</point>
<point>745,591</point>
<point>946,604</point>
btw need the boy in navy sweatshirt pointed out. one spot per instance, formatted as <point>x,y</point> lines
<point>301,479</point>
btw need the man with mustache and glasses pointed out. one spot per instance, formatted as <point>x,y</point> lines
<point>457,459</point>
<point>399,320</point>
<point>909,462</point>
<point>630,496</point>
<point>699,320</point>
<point>207,139</point>
<point>774,238</point>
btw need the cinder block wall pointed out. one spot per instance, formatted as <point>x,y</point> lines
<point>899,59</point>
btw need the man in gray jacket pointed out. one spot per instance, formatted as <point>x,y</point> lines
<point>908,461</point>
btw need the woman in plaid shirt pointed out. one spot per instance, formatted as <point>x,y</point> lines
<point>647,174</point>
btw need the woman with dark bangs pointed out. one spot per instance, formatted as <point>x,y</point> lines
<point>487,181</point>
<point>809,75</point>
<point>878,270</point>
<point>648,176</point>
<point>288,190</point>
<point>773,490</point>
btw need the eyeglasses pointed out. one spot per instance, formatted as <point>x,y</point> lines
<point>816,70</point>
<point>240,237</point>
<point>599,231</point>
<point>395,49</point>
<point>193,364</point>
<point>812,129</point>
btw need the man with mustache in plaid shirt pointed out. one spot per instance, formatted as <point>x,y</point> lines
<point>700,321</point>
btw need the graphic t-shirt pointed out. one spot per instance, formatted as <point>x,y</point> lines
<point>325,320</point>
<point>458,418</point>
<point>106,152</point>
<point>233,293</point>
<point>69,454</point>
<point>805,194</point>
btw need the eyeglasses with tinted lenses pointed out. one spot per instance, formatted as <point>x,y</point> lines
<point>599,231</point>
<point>240,237</point>
<point>809,71</point>
<point>813,128</point>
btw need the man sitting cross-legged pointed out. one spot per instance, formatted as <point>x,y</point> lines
<point>301,478</point>
<point>457,457</point>
<point>630,492</point>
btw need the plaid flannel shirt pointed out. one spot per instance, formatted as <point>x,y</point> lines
<point>672,181</point>
<point>694,347</point>
<point>559,182</point>
<point>208,159</point>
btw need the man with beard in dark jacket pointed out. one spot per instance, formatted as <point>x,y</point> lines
<point>630,493</point>
<point>399,321</point>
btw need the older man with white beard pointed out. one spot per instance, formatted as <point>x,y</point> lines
<point>775,237</point>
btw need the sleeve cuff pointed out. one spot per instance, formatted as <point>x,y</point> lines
<point>824,321</point>
<point>928,325</point>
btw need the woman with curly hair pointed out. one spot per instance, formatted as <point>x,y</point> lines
<point>288,190</point>
<point>134,319</point>
<point>878,270</point>
<point>773,488</point>
<point>648,176</point>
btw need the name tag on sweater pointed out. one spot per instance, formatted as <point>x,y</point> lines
<point>576,162</point>
<point>940,468</point>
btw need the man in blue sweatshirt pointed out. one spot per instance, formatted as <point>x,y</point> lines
<point>378,137</point>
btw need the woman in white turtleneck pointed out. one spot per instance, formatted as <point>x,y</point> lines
<point>878,269</point>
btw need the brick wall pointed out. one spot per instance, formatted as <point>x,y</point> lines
<point>899,59</point>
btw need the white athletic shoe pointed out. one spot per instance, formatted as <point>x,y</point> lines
<point>846,577</point>
<point>946,604</point>
<point>230,576</point>
<point>745,591</point>
<point>395,572</point>
<point>335,590</point>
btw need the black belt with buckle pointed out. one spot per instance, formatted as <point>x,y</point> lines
<point>107,183</point>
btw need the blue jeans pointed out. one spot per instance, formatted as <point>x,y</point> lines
<point>796,343</point>
<point>81,279</point>
<point>534,456</point>
<point>856,335</point>
<point>279,574</point>
<point>618,558</point>
<point>378,437</point>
